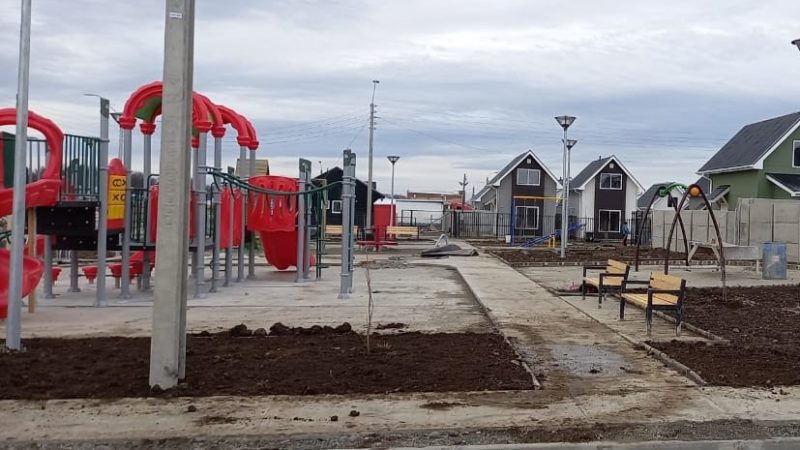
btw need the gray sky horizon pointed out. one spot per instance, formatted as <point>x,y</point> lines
<point>464,85</point>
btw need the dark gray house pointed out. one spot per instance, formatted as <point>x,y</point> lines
<point>526,189</point>
<point>334,208</point>
<point>604,195</point>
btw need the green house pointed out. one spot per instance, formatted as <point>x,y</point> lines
<point>761,161</point>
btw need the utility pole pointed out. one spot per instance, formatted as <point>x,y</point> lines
<point>168,344</point>
<point>14,320</point>
<point>368,225</point>
<point>463,185</point>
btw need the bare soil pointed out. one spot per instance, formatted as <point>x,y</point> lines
<point>290,362</point>
<point>761,324</point>
<point>586,253</point>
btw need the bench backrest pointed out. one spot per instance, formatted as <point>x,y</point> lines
<point>666,282</point>
<point>613,266</point>
<point>337,229</point>
<point>402,230</point>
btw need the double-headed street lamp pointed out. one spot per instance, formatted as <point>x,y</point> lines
<point>796,43</point>
<point>565,122</point>
<point>393,159</point>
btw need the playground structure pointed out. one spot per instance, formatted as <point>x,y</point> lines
<point>67,202</point>
<point>693,190</point>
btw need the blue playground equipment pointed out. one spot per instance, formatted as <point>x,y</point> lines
<point>555,235</point>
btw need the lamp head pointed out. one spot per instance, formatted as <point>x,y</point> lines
<point>570,143</point>
<point>565,121</point>
<point>392,159</point>
<point>796,43</point>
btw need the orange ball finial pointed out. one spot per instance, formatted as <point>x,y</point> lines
<point>694,191</point>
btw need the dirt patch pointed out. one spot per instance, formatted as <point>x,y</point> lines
<point>761,325</point>
<point>301,364</point>
<point>390,326</point>
<point>591,253</point>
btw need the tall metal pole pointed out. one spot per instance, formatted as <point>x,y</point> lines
<point>564,196</point>
<point>168,345</point>
<point>14,320</point>
<point>565,122</point>
<point>146,171</point>
<point>200,219</point>
<point>251,249</point>
<point>301,223</point>
<point>102,215</point>
<point>393,159</point>
<point>347,227</point>
<point>216,204</point>
<point>243,232</point>
<point>126,231</point>
<point>368,224</point>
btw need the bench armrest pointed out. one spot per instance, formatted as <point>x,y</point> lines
<point>664,291</point>
<point>587,268</point>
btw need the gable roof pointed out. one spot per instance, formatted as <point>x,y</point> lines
<point>751,144</point>
<point>593,168</point>
<point>495,181</point>
<point>644,200</point>
<point>336,173</point>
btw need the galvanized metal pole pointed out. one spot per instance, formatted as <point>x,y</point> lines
<point>195,163</point>
<point>347,227</point>
<point>14,320</point>
<point>200,220</point>
<point>102,214</point>
<point>564,194</point>
<point>168,345</point>
<point>251,250</point>
<point>301,224</point>
<point>126,231</point>
<point>229,248</point>
<point>368,224</point>
<point>215,202</point>
<point>305,176</point>
<point>74,271</point>
<point>243,232</point>
<point>146,170</point>
<point>352,203</point>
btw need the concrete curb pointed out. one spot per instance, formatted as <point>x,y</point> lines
<point>772,444</point>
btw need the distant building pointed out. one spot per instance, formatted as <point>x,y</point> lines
<point>262,166</point>
<point>333,214</point>
<point>761,161</point>
<point>604,194</point>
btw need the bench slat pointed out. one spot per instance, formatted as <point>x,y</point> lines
<point>665,282</point>
<point>607,281</point>
<point>658,299</point>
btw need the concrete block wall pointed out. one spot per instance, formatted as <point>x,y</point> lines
<point>755,221</point>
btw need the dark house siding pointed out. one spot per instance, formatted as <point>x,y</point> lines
<point>525,190</point>
<point>335,193</point>
<point>609,199</point>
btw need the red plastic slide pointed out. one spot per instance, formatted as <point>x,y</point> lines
<point>43,192</point>
<point>274,218</point>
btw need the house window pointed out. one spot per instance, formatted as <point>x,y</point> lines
<point>336,206</point>
<point>528,177</point>
<point>609,221</point>
<point>796,154</point>
<point>611,181</point>
<point>527,217</point>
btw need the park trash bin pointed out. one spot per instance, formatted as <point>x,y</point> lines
<point>773,265</point>
<point>508,239</point>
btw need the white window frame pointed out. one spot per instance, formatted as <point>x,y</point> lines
<point>600,221</point>
<point>611,184</point>
<point>528,173</point>
<point>795,148</point>
<point>334,204</point>
<point>517,217</point>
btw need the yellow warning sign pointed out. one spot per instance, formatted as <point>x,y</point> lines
<point>116,197</point>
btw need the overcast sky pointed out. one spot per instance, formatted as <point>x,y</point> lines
<point>464,85</point>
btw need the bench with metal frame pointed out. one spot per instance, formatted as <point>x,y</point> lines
<point>664,292</point>
<point>336,230</point>
<point>611,279</point>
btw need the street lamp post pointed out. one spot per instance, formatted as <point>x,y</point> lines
<point>796,43</point>
<point>565,122</point>
<point>393,159</point>
<point>368,224</point>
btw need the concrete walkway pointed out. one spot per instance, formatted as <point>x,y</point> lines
<point>589,373</point>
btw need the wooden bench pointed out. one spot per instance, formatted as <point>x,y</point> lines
<point>336,230</point>
<point>412,232</point>
<point>664,292</point>
<point>611,279</point>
